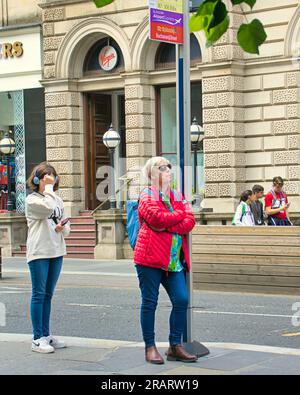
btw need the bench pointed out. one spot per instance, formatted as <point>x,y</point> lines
<point>247,259</point>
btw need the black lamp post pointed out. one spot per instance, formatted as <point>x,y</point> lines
<point>197,135</point>
<point>7,147</point>
<point>111,140</point>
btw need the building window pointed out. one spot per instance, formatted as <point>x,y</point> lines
<point>166,124</point>
<point>166,55</point>
<point>194,5</point>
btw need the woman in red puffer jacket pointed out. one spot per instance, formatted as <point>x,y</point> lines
<point>161,257</point>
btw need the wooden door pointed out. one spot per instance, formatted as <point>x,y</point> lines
<point>98,119</point>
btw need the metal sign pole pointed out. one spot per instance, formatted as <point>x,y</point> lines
<point>183,99</point>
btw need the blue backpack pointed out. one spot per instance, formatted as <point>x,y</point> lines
<point>133,225</point>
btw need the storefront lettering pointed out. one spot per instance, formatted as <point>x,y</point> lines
<point>8,50</point>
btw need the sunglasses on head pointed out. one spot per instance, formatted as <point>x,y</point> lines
<point>164,168</point>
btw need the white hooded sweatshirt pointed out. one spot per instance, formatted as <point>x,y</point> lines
<point>43,213</point>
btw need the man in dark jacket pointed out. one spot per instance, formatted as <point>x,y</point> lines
<point>256,205</point>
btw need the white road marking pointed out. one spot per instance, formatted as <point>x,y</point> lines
<point>88,305</point>
<point>14,292</point>
<point>236,313</point>
<point>82,273</point>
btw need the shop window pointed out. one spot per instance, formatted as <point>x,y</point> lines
<point>166,54</point>
<point>93,59</point>
<point>20,111</point>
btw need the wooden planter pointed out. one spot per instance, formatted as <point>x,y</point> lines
<point>250,259</point>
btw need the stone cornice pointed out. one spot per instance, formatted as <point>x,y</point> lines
<point>58,3</point>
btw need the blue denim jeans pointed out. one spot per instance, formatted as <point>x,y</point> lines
<point>175,285</point>
<point>44,275</point>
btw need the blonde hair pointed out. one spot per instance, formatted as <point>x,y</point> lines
<point>147,169</point>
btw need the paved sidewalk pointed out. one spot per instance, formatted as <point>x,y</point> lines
<point>105,357</point>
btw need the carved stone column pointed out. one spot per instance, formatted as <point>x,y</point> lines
<point>223,116</point>
<point>65,143</point>
<point>140,129</point>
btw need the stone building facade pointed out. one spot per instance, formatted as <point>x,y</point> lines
<point>249,104</point>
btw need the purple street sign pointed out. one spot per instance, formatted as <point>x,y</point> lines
<point>166,26</point>
<point>166,17</point>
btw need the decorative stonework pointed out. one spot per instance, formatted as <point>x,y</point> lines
<point>288,157</point>
<point>286,127</point>
<point>70,181</point>
<point>53,14</point>
<point>61,127</point>
<point>71,194</point>
<point>286,96</point>
<point>48,29</point>
<point>135,121</point>
<point>72,140</point>
<point>294,172</point>
<point>293,111</point>
<point>49,72</point>
<point>63,154</point>
<point>59,113</point>
<point>62,99</point>
<point>211,160</point>
<point>211,190</point>
<point>49,58</point>
<point>68,167</point>
<point>294,142</point>
<point>52,43</point>
<point>140,136</point>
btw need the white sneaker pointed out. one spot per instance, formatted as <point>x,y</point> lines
<point>55,343</point>
<point>41,345</point>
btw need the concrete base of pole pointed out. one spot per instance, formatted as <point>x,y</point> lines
<point>196,348</point>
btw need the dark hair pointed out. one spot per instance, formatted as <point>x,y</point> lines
<point>245,195</point>
<point>277,180</point>
<point>257,188</point>
<point>40,171</point>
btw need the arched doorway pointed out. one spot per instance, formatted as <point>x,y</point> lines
<point>101,109</point>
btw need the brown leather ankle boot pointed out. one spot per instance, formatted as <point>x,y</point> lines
<point>178,353</point>
<point>153,356</point>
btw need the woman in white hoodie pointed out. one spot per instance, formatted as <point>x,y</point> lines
<point>243,215</point>
<point>47,226</point>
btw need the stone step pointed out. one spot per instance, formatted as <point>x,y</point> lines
<point>80,248</point>
<point>82,220</point>
<point>79,233</point>
<point>80,255</point>
<point>83,226</point>
<point>71,240</point>
<point>86,213</point>
<point>19,253</point>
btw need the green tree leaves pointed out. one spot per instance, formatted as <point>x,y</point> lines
<point>102,3</point>
<point>251,36</point>
<point>212,17</point>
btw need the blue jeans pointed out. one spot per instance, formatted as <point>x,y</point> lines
<point>44,275</point>
<point>175,285</point>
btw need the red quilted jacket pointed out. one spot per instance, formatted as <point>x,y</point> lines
<point>153,247</point>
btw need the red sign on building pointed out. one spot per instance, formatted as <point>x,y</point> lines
<point>166,26</point>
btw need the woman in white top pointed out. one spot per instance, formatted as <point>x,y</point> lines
<point>47,226</point>
<point>243,215</point>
